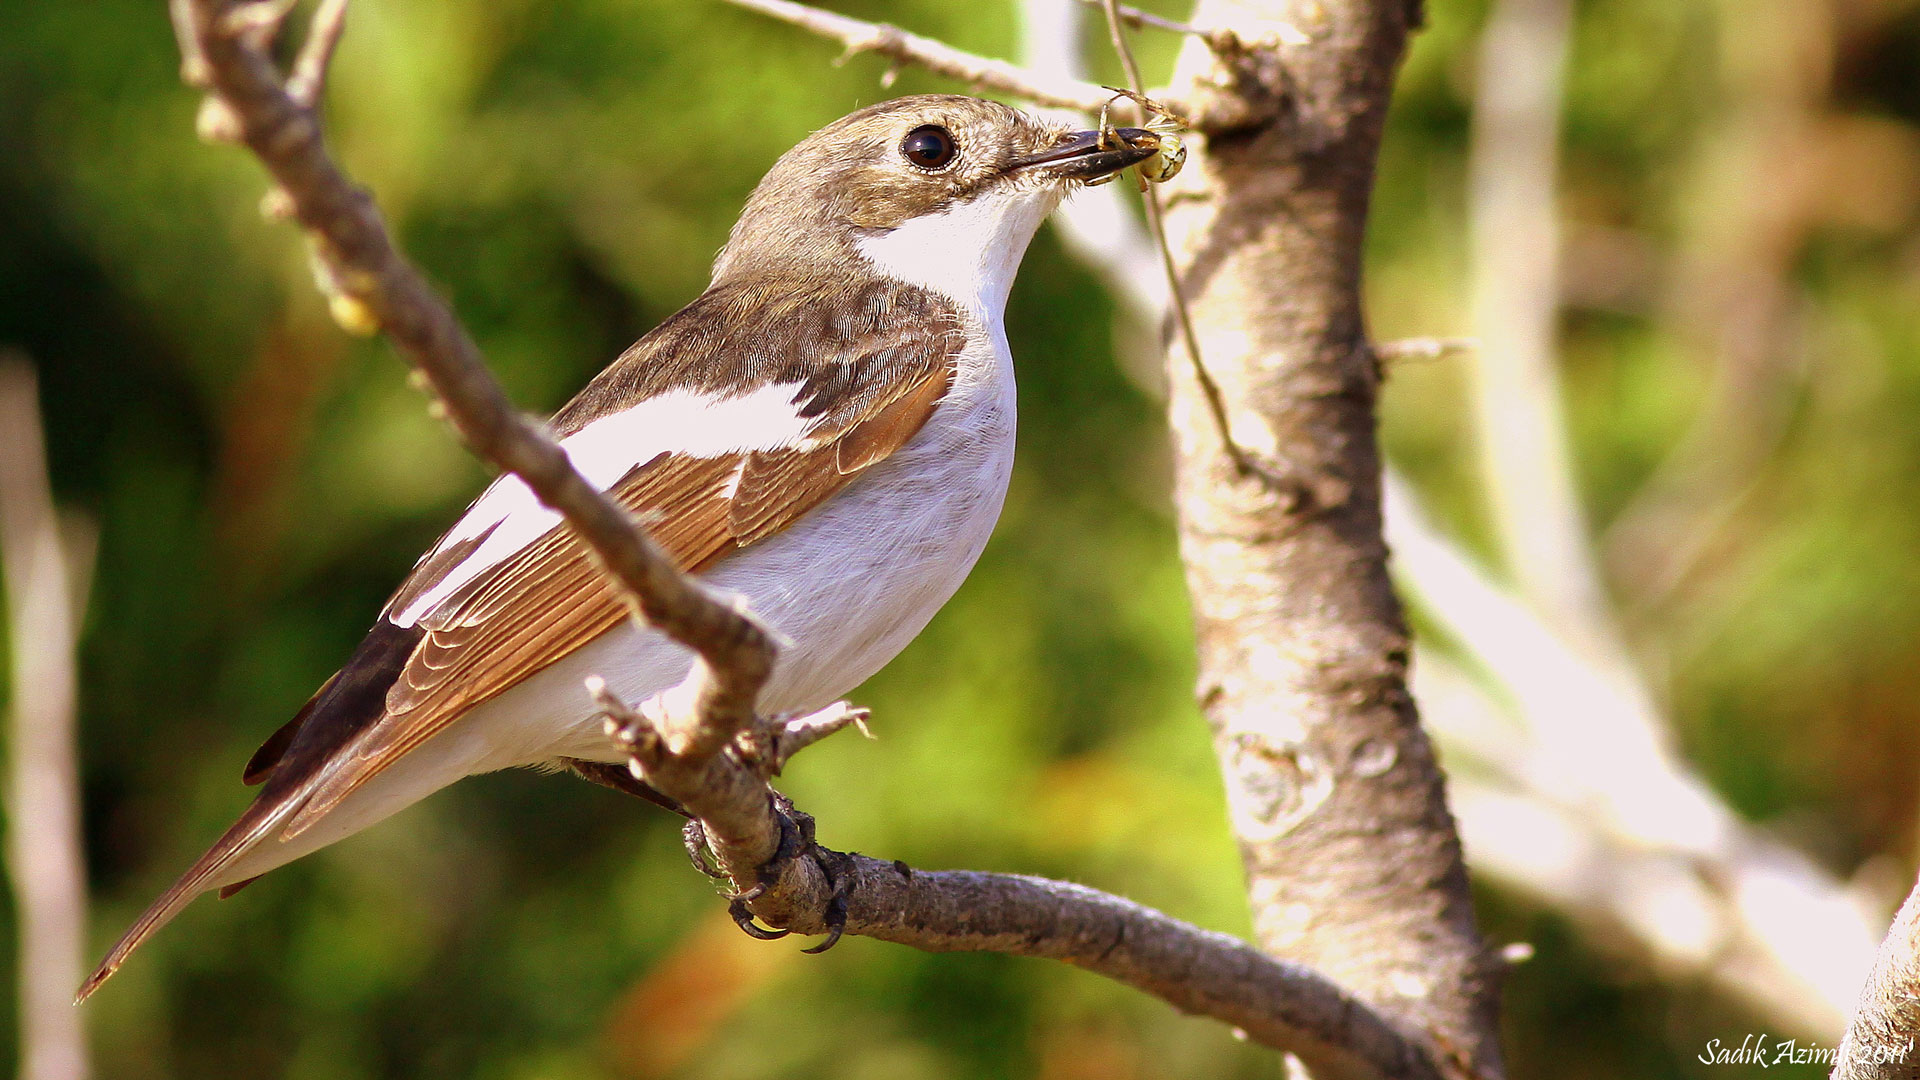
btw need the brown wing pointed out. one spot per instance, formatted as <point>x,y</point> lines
<point>549,599</point>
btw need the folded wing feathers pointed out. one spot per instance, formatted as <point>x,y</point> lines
<point>549,599</point>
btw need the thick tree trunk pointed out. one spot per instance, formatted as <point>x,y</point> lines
<point>1353,863</point>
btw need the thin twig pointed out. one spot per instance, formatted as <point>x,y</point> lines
<point>1221,40</point>
<point>1147,19</point>
<point>309,79</point>
<point>1120,47</point>
<point>788,736</point>
<point>43,790</point>
<point>1244,462</point>
<point>859,36</point>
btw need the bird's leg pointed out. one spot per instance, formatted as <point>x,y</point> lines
<point>796,837</point>
<point>620,778</point>
<point>693,836</point>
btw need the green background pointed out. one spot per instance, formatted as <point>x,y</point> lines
<point>565,172</point>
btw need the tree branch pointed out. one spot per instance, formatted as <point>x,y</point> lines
<point>1104,235</point>
<point>373,288</point>
<point>761,842</point>
<point>700,743</point>
<point>901,47</point>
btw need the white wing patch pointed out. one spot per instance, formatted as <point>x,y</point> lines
<point>677,422</point>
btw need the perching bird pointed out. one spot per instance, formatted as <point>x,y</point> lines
<point>827,431</point>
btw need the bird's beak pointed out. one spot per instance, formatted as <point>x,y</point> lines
<point>1085,156</point>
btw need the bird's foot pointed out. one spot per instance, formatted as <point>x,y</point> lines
<point>796,842</point>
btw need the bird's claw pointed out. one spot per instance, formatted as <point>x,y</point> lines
<point>743,918</point>
<point>838,867</point>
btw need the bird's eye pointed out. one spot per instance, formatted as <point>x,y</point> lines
<point>929,147</point>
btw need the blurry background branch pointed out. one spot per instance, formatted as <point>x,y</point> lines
<point>1556,797</point>
<point>1526,466</point>
<point>44,860</point>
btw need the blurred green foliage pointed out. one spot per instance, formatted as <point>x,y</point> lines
<point>1743,373</point>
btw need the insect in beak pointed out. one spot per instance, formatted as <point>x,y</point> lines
<point>1163,126</point>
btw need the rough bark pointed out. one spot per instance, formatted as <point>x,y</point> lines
<point>1882,1037</point>
<point>1352,859</point>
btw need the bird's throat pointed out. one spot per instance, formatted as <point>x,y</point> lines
<point>968,252</point>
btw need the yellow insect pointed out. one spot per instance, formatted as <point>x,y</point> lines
<point>1165,164</point>
<point>1163,127</point>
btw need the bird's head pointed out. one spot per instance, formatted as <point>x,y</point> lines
<point>938,190</point>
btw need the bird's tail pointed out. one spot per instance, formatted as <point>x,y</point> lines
<point>212,869</point>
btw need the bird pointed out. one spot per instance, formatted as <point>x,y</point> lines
<point>827,431</point>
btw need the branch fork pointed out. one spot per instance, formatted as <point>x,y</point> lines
<point>765,745</point>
